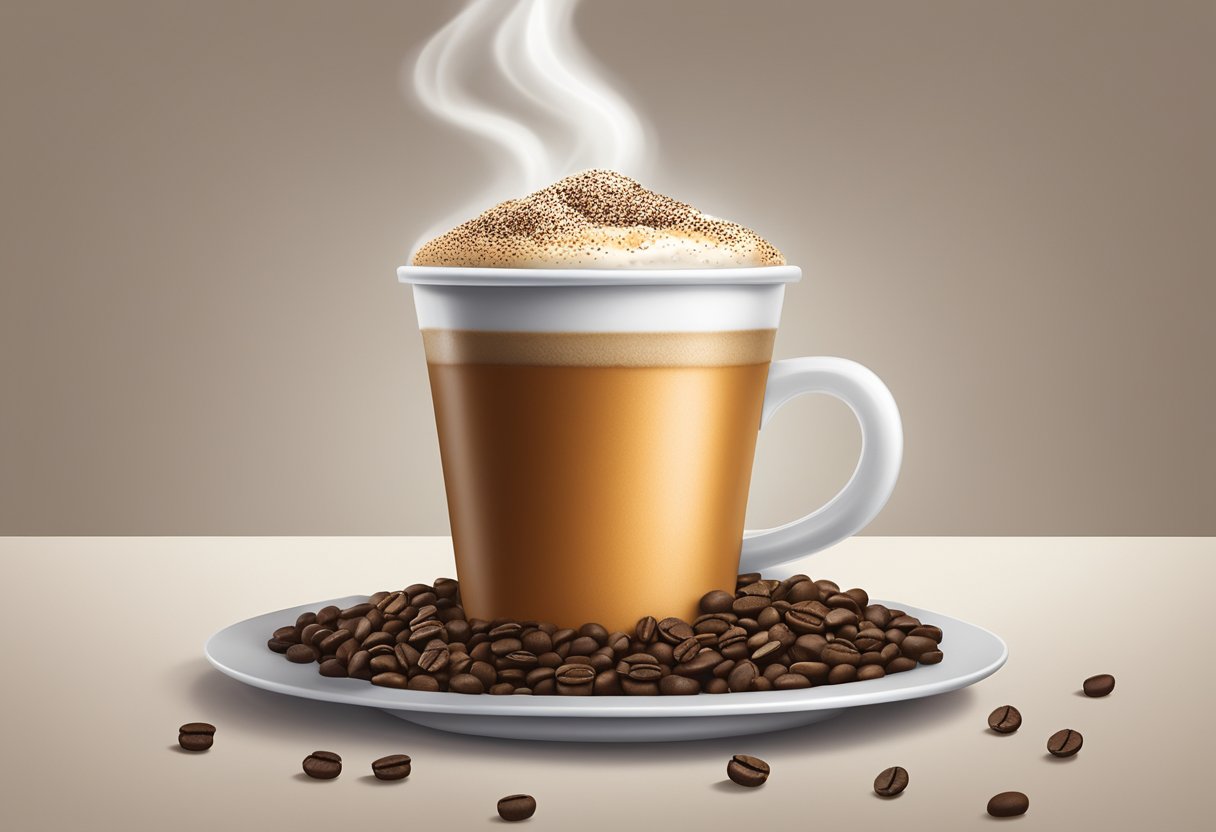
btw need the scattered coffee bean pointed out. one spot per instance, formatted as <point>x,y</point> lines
<point>766,635</point>
<point>1008,805</point>
<point>747,771</point>
<point>323,765</point>
<point>1100,685</point>
<point>1005,719</point>
<point>515,807</point>
<point>196,736</point>
<point>891,781</point>
<point>1065,743</point>
<point>392,767</point>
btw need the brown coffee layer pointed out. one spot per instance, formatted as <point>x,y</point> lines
<point>600,349</point>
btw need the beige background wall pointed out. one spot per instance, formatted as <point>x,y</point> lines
<point>1007,210</point>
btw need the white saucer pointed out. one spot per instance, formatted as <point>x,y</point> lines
<point>972,654</point>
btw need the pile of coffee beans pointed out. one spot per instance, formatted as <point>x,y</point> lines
<point>766,635</point>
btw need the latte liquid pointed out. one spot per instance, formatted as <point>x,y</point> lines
<point>596,476</point>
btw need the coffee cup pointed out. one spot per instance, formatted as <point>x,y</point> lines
<point>597,429</point>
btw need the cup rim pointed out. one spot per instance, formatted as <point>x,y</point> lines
<point>469,276</point>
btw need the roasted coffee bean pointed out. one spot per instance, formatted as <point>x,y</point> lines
<point>835,653</point>
<point>503,646</point>
<point>641,667</point>
<point>392,767</point>
<point>333,641</point>
<point>386,663</point>
<point>674,630</point>
<point>323,765</point>
<point>815,672</point>
<point>328,616</point>
<point>869,671</point>
<point>435,658</point>
<point>390,680</point>
<point>747,770</point>
<point>773,670</point>
<point>840,617</point>
<point>359,666</point>
<point>632,687</point>
<point>716,601</point>
<point>900,664</point>
<point>748,606</point>
<point>1100,685</point>
<point>279,646</point>
<point>675,685</point>
<point>860,596</point>
<point>842,674</point>
<point>717,686</point>
<point>334,668</point>
<point>767,651</point>
<point>289,634</point>
<point>802,591</point>
<point>840,601</point>
<point>686,650</point>
<point>741,676</point>
<point>745,578</point>
<point>906,623</point>
<point>932,657</point>
<point>466,683</point>
<point>302,653</point>
<point>423,682</point>
<point>617,643</point>
<point>196,736</point>
<point>534,641</point>
<point>515,807</point>
<point>914,646</point>
<point>598,632</point>
<point>376,639</point>
<point>928,631</point>
<point>647,629</point>
<point>700,665</point>
<point>509,629</point>
<point>734,635</point>
<point>575,679</point>
<point>1008,805</point>
<point>607,683</point>
<point>304,619</point>
<point>582,646</point>
<point>1064,743</point>
<point>425,632</point>
<point>791,681</point>
<point>755,588</point>
<point>1005,719</point>
<point>891,781</point>
<point>878,615</point>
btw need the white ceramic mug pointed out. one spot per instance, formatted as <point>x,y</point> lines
<point>521,359</point>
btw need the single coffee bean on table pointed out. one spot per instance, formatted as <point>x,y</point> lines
<point>764,635</point>
<point>1008,805</point>
<point>392,767</point>
<point>1005,719</point>
<point>891,781</point>
<point>747,770</point>
<point>515,807</point>
<point>196,736</point>
<point>323,765</point>
<point>1065,743</point>
<point>1100,685</point>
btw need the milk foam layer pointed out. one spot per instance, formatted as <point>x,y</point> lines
<point>598,219</point>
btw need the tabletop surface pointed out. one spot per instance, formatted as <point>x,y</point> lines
<point>104,662</point>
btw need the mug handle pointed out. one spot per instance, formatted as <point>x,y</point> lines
<point>882,447</point>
